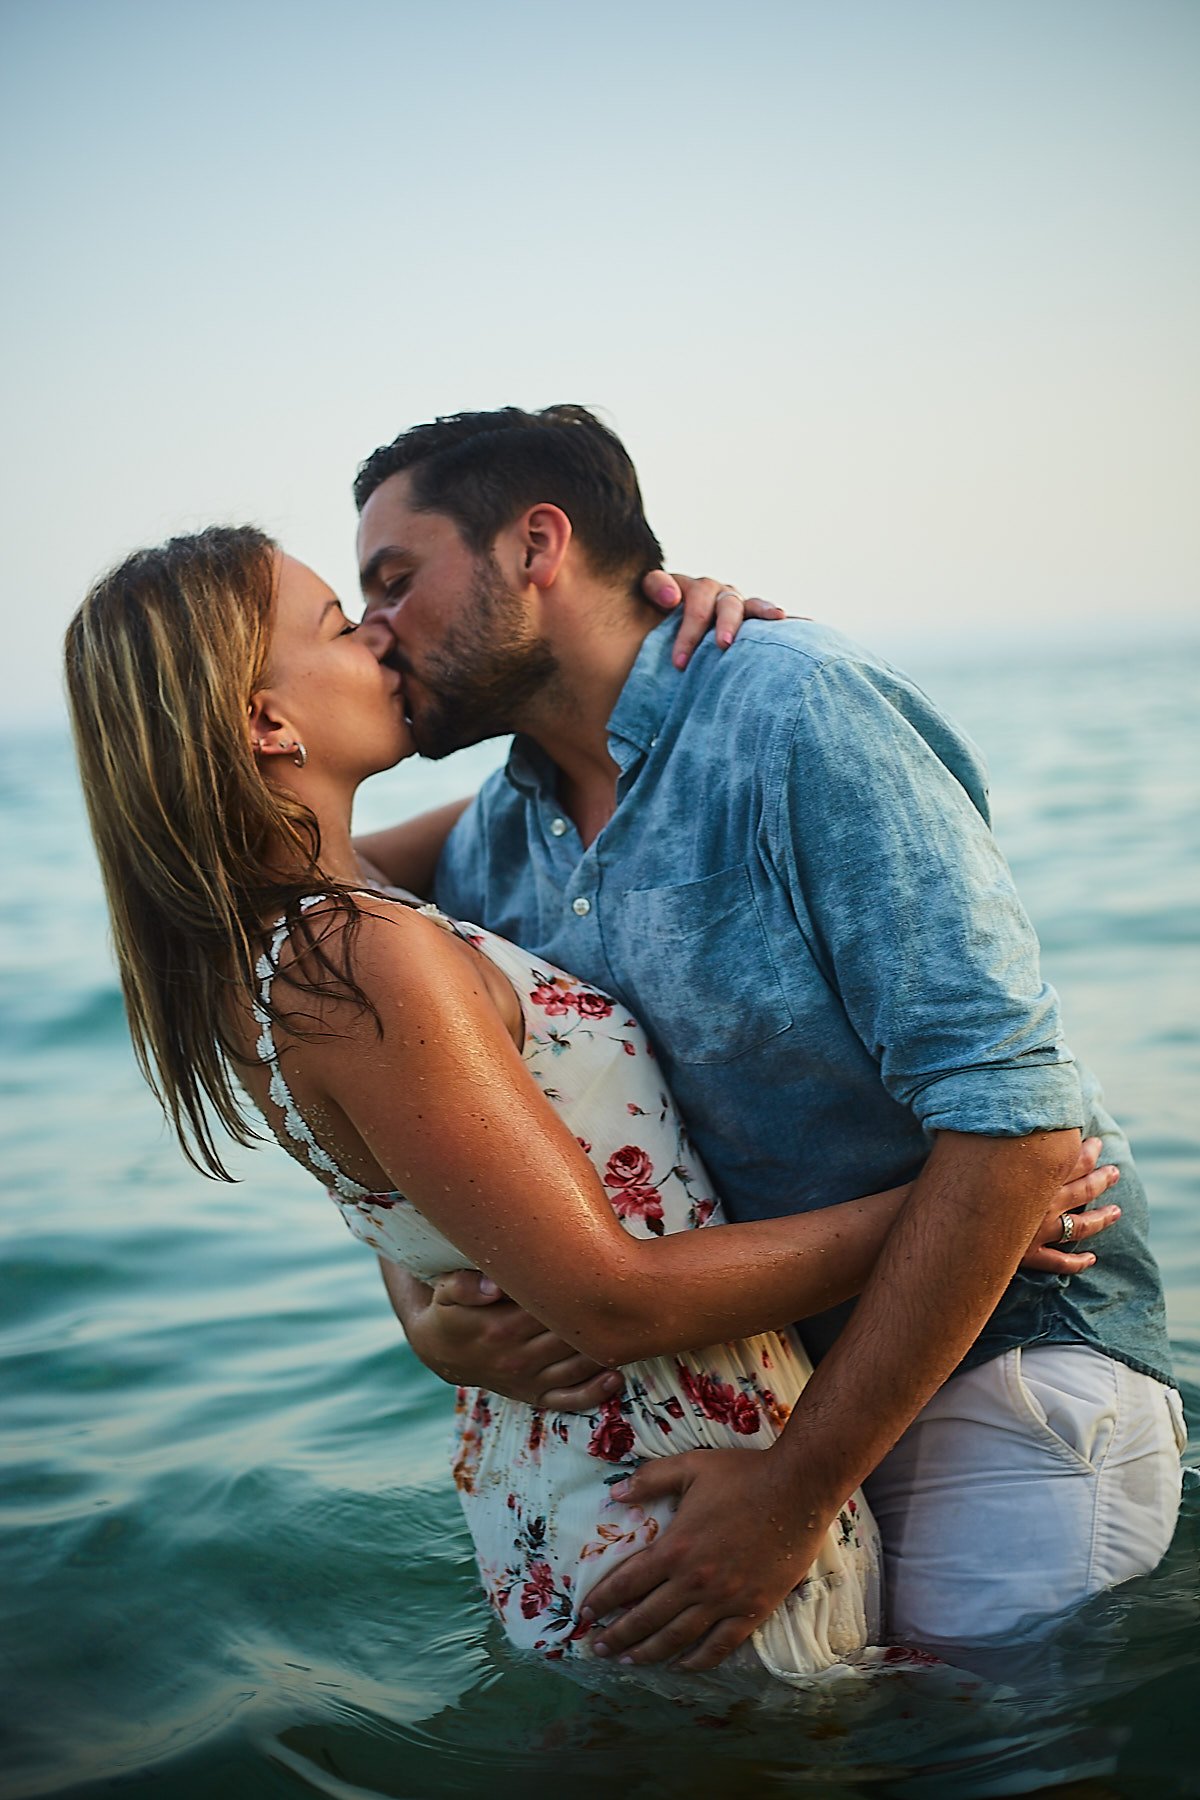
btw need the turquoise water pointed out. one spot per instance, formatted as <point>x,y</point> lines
<point>230,1554</point>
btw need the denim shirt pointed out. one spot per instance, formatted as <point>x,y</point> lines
<point>801,899</point>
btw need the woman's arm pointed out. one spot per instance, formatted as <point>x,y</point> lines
<point>523,1360</point>
<point>445,1105</point>
<point>406,855</point>
<point>469,1333</point>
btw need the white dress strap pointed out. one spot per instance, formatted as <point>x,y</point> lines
<point>296,1125</point>
<point>266,969</point>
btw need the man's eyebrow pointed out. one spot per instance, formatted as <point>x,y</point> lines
<point>389,553</point>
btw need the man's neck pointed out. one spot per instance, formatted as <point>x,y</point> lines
<point>570,723</point>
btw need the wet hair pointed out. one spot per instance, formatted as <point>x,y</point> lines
<point>197,850</point>
<point>483,469</point>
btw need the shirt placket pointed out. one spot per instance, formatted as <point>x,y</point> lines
<point>577,872</point>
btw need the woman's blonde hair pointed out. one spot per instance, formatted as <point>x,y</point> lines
<point>196,849</point>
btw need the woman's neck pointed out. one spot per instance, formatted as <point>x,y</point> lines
<point>337,857</point>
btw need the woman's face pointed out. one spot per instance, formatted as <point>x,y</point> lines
<point>326,683</point>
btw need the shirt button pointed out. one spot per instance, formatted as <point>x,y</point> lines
<point>557,827</point>
<point>581,906</point>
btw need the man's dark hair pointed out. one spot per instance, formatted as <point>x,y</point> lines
<point>483,469</point>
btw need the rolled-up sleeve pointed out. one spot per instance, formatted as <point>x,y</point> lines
<point>911,911</point>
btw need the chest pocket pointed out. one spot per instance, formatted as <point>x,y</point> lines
<point>697,964</point>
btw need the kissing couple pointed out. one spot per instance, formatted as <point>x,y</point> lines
<point>710,1036</point>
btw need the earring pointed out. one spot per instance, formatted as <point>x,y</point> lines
<point>300,758</point>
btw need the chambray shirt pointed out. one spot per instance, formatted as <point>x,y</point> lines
<point>801,899</point>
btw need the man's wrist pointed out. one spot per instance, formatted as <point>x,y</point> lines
<point>806,1472</point>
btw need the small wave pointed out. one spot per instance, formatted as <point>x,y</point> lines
<point>95,1017</point>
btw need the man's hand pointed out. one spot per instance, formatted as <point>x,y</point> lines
<point>734,1551</point>
<point>750,1522</point>
<point>469,1333</point>
<point>708,605</point>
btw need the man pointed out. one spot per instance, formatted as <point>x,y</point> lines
<point>781,860</point>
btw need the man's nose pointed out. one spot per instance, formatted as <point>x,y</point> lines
<point>376,628</point>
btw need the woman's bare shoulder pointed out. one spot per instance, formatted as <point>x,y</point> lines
<point>347,960</point>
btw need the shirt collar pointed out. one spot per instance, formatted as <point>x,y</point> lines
<point>529,769</point>
<point>649,691</point>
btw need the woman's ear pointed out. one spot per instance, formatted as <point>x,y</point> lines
<point>270,733</point>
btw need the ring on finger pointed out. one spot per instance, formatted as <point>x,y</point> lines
<point>729,593</point>
<point>1067,1221</point>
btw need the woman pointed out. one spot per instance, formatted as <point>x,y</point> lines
<point>461,1101</point>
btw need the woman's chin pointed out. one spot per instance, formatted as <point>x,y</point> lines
<point>383,751</point>
<point>404,746</point>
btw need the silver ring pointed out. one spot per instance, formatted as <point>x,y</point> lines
<point>1067,1221</point>
<point>732,592</point>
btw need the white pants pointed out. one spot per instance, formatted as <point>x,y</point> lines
<point>1025,1485</point>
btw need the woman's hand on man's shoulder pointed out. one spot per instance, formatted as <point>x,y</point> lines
<point>708,605</point>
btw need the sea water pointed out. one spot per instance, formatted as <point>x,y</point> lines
<point>231,1558</point>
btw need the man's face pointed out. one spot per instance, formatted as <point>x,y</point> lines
<point>463,640</point>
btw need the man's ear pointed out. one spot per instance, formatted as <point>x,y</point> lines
<point>537,543</point>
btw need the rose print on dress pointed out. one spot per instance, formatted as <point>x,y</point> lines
<point>720,1401</point>
<point>640,1203</point>
<point>592,1006</point>
<point>612,1438</point>
<point>553,1001</point>
<point>538,1590</point>
<point>557,996</point>
<point>630,1167</point>
<point>542,1594</point>
<point>634,1193</point>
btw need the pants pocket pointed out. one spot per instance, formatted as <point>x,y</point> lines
<point>1077,1428</point>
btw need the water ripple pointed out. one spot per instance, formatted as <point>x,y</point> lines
<point>231,1558</point>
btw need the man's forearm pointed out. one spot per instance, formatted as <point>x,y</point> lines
<point>407,854</point>
<point>938,1278</point>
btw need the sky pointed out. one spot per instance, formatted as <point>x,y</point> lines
<point>895,305</point>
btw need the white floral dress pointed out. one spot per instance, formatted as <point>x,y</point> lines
<point>536,1486</point>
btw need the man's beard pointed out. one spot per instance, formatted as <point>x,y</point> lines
<point>476,683</point>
